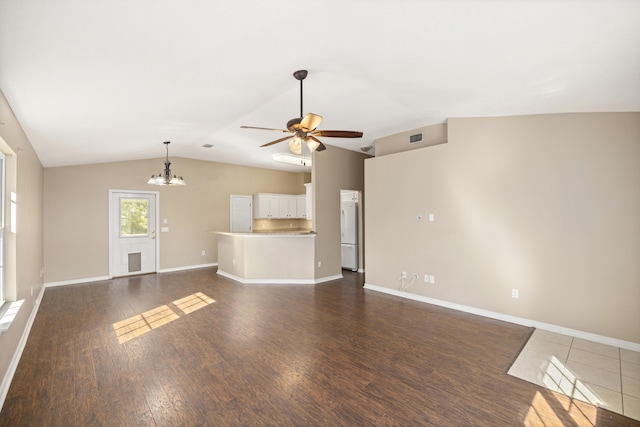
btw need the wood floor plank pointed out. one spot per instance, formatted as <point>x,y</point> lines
<point>145,351</point>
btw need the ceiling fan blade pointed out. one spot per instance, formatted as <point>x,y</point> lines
<point>277,140</point>
<point>310,122</point>
<point>338,133</point>
<point>255,127</point>
<point>321,147</point>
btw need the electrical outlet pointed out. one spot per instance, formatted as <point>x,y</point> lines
<point>432,279</point>
<point>319,264</point>
<point>234,262</point>
<point>426,278</point>
<point>514,293</point>
<point>203,252</point>
<point>404,275</point>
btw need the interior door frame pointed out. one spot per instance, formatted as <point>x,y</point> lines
<point>157,224</point>
<point>240,196</point>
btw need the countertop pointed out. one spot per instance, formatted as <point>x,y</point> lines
<point>270,233</point>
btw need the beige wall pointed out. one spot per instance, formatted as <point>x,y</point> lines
<point>28,259</point>
<point>77,207</point>
<point>431,135</point>
<point>334,169</point>
<point>546,204</point>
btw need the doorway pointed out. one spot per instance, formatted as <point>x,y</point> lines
<point>133,246</point>
<point>241,214</point>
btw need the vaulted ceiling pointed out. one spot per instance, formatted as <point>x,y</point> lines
<point>107,81</point>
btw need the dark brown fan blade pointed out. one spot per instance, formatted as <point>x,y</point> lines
<point>321,147</point>
<point>277,140</point>
<point>310,122</point>
<point>338,133</point>
<point>255,127</point>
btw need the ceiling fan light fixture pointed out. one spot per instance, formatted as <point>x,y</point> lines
<point>313,145</point>
<point>295,145</point>
<point>305,128</point>
<point>165,177</point>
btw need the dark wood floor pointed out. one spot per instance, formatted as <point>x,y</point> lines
<point>136,352</point>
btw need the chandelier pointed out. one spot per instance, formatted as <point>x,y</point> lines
<point>165,178</point>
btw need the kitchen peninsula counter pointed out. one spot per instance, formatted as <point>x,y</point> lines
<point>267,257</point>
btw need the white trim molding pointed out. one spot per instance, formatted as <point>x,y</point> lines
<point>13,365</point>
<point>279,281</point>
<point>188,267</point>
<point>511,319</point>
<point>76,281</point>
<point>105,278</point>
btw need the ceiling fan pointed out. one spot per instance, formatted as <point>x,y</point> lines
<point>305,129</point>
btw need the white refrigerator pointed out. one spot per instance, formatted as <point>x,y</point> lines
<point>349,235</point>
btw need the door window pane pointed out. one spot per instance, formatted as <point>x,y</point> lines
<point>134,217</point>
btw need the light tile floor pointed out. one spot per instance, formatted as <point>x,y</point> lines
<point>605,376</point>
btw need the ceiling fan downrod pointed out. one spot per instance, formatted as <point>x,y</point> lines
<point>300,75</point>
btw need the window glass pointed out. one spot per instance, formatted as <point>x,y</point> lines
<point>134,217</point>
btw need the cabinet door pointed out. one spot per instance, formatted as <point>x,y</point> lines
<point>286,206</point>
<point>292,206</point>
<point>301,206</point>
<point>273,203</point>
<point>265,206</point>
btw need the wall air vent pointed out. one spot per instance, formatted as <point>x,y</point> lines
<point>415,138</point>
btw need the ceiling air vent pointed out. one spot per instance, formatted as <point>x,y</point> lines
<point>415,138</point>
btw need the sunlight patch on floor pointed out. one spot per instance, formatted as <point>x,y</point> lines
<point>142,323</point>
<point>583,371</point>
<point>193,302</point>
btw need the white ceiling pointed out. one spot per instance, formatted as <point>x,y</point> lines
<point>111,80</point>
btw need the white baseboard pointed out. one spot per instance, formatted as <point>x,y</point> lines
<point>188,267</point>
<point>511,319</point>
<point>279,281</point>
<point>76,281</point>
<point>103,278</point>
<point>8,376</point>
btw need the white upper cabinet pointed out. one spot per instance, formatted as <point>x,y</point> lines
<point>287,206</point>
<point>301,206</point>
<point>349,196</point>
<point>266,206</point>
<point>277,206</point>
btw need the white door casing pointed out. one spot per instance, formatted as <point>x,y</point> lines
<point>133,243</point>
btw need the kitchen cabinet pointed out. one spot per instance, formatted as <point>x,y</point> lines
<point>349,196</point>
<point>287,206</point>
<point>301,206</point>
<point>266,206</point>
<point>277,206</point>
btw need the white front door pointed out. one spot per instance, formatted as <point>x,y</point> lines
<point>132,233</point>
